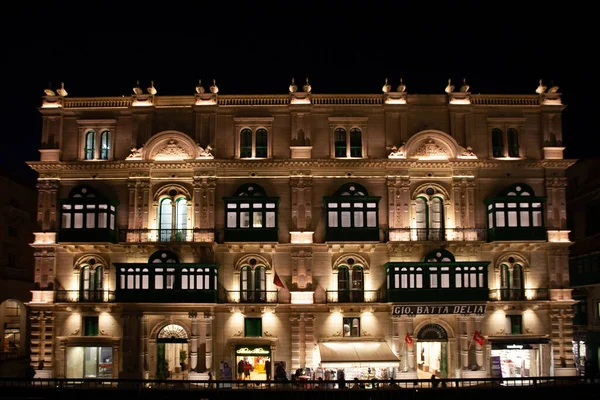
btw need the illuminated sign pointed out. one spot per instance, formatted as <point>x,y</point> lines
<point>439,309</point>
<point>514,346</point>
<point>252,351</point>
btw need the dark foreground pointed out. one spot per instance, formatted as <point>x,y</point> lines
<point>572,388</point>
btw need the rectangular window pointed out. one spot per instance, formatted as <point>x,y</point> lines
<point>90,220</point>
<point>445,277</point>
<point>514,324</point>
<point>270,223</point>
<point>358,219</point>
<point>536,218</point>
<point>346,219</point>
<point>458,280</point>
<point>371,219</point>
<point>90,326</point>
<point>524,215</point>
<point>491,220</point>
<point>351,327</point>
<point>245,219</point>
<point>252,327</point>
<point>333,219</point>
<point>257,219</point>
<point>499,219</point>
<point>231,219</point>
<point>158,279</point>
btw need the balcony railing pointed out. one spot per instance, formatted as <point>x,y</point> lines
<point>519,294</point>
<point>82,296</point>
<point>353,296</point>
<point>431,234</point>
<point>166,235</point>
<point>248,296</point>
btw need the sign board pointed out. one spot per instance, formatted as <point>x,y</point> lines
<point>426,309</point>
<point>496,367</point>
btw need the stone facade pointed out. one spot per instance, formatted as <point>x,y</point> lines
<point>422,166</point>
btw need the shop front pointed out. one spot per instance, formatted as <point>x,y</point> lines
<point>252,362</point>
<point>518,358</point>
<point>365,360</point>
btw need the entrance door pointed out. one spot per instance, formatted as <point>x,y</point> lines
<point>172,353</point>
<point>432,352</point>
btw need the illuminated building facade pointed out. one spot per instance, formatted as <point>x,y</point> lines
<point>412,235</point>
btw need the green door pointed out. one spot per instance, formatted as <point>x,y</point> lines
<point>161,371</point>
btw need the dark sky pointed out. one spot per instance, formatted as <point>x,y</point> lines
<point>497,47</point>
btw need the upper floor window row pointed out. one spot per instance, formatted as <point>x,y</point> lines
<point>348,143</point>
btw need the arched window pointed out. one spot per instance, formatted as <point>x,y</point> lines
<point>497,143</point>
<point>352,214</point>
<point>251,215</point>
<point>91,276</point>
<point>172,217</point>
<point>348,144</point>
<point>350,283</point>
<point>254,143</point>
<point>253,282</point>
<point>516,214</point>
<point>429,216</point>
<point>511,280</point>
<point>104,145</point>
<point>90,145</point>
<point>513,142</point>
<point>86,215</point>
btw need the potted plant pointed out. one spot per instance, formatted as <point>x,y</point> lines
<point>182,359</point>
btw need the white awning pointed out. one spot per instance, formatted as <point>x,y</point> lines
<point>357,354</point>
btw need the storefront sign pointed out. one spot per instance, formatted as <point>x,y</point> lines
<point>251,351</point>
<point>439,309</point>
<point>496,367</point>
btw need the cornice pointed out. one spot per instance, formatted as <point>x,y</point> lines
<point>293,164</point>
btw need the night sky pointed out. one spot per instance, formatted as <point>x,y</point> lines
<point>499,48</point>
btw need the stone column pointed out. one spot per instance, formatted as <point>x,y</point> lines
<point>144,338</point>
<point>132,188</point>
<point>295,322</point>
<point>463,341</point>
<point>47,212</point>
<point>208,328</point>
<point>398,207</point>
<point>193,315</point>
<point>409,350</point>
<point>145,199</point>
<point>302,268</point>
<point>562,337</point>
<point>309,341</point>
<point>41,325</point>
<point>203,205</point>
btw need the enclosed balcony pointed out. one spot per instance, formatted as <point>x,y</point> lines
<point>166,282</point>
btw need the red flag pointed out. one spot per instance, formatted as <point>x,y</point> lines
<point>277,281</point>
<point>408,339</point>
<point>478,338</point>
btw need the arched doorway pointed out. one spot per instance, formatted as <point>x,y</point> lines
<point>432,351</point>
<point>172,353</point>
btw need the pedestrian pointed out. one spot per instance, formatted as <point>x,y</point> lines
<point>30,374</point>
<point>268,369</point>
<point>434,381</point>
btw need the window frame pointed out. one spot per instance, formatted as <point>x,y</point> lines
<point>101,150</point>
<point>253,283</point>
<point>504,126</point>
<point>255,126</point>
<point>352,209</point>
<point>350,126</point>
<point>511,205</point>
<point>354,331</point>
<point>250,203</point>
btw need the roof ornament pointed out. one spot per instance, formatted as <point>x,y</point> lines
<point>553,88</point>
<point>48,91</point>
<point>293,88</point>
<point>152,90</point>
<point>214,89</point>
<point>450,88</point>
<point>386,86</point>
<point>61,91</point>
<point>401,87</point>
<point>200,89</point>
<point>137,89</point>
<point>541,88</point>
<point>465,87</point>
<point>307,88</point>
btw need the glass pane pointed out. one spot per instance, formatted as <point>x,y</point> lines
<point>270,223</point>
<point>340,142</point>
<point>261,143</point>
<point>246,143</point>
<point>231,205</point>
<point>270,205</point>
<point>257,221</point>
<point>90,220</point>
<point>231,220</point>
<point>491,220</point>
<point>445,280</point>
<point>103,220</point>
<point>257,205</point>
<point>158,282</point>
<point>372,219</point>
<point>500,219</point>
<point>78,221</point>
<point>346,219</point>
<point>245,205</point>
<point>433,280</point>
<point>524,218</point>
<point>332,219</point>
<point>181,212</point>
<point>458,280</point>
<point>355,143</point>
<point>512,218</point>
<point>358,219</point>
<point>66,221</point>
<point>166,215</point>
<point>104,145</point>
<point>537,218</point>
<point>244,219</point>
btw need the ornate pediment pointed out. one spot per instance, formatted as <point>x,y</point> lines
<point>431,150</point>
<point>172,151</point>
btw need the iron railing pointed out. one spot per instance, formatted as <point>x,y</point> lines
<point>519,294</point>
<point>251,296</point>
<point>436,234</point>
<point>354,296</point>
<point>166,235</point>
<point>83,296</point>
